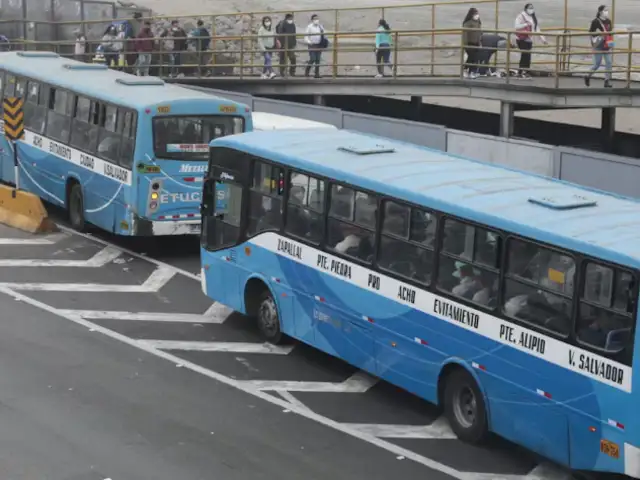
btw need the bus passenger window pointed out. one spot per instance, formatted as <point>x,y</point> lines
<point>265,205</point>
<point>305,207</point>
<point>607,311</point>
<point>84,134</point>
<point>352,223</point>
<point>10,86</point>
<point>470,263</point>
<point>58,118</point>
<point>406,244</point>
<point>127,125</point>
<point>109,140</point>
<point>539,286</point>
<point>34,115</point>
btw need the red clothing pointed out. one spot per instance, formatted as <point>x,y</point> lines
<point>144,41</point>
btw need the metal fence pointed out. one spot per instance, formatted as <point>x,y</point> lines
<point>51,20</point>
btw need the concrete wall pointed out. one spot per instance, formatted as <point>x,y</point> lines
<point>611,173</point>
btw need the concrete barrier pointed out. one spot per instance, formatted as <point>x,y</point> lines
<point>24,211</point>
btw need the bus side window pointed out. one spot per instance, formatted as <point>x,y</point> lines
<point>407,241</point>
<point>305,208</point>
<point>10,86</point>
<point>2,73</point>
<point>34,113</point>
<point>265,203</point>
<point>539,286</point>
<point>108,137</point>
<point>59,115</point>
<point>470,262</point>
<point>352,222</point>
<point>127,126</point>
<point>84,134</point>
<point>607,311</point>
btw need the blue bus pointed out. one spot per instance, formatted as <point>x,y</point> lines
<point>507,298</point>
<point>121,152</point>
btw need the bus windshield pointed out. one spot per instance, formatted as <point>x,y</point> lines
<point>188,137</point>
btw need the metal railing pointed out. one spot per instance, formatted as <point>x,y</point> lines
<point>413,53</point>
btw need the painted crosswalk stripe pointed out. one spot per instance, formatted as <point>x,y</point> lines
<point>46,240</point>
<point>437,430</point>
<point>100,259</point>
<point>142,316</point>
<point>360,382</point>
<point>230,347</point>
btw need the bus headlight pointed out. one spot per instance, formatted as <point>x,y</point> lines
<point>154,195</point>
<point>153,205</point>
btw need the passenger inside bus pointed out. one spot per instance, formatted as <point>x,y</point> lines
<point>355,238</point>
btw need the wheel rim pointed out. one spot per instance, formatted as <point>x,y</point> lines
<point>268,316</point>
<point>465,407</point>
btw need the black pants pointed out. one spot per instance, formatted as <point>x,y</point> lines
<point>473,56</point>
<point>383,57</point>
<point>525,57</point>
<point>290,56</point>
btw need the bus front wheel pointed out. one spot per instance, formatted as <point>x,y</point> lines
<point>76,208</point>
<point>464,407</point>
<point>268,318</point>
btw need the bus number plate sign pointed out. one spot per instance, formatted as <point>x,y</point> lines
<point>164,109</point>
<point>609,448</point>
<point>227,108</point>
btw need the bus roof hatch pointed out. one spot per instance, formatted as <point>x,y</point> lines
<point>564,202</point>
<point>367,149</point>
<point>85,66</point>
<point>38,54</point>
<point>142,82</point>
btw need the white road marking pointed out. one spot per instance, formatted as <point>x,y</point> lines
<point>218,313</point>
<point>383,444</point>
<point>544,471</point>
<point>360,382</point>
<point>288,396</point>
<point>100,259</point>
<point>437,430</point>
<point>229,347</point>
<point>45,240</point>
<point>158,279</point>
<point>141,316</point>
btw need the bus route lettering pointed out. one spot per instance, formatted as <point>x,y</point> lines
<point>87,161</point>
<point>458,314</point>
<point>373,281</point>
<point>407,294</point>
<point>290,249</point>
<point>60,150</point>
<point>597,366</point>
<point>116,173</point>
<point>532,342</point>
<point>340,268</point>
<point>37,141</point>
<point>323,262</point>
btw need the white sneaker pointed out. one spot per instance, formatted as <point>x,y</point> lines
<point>272,75</point>
<point>473,75</point>
<point>465,74</point>
<point>264,76</point>
<point>378,75</point>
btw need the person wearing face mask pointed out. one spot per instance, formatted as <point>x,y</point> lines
<point>316,41</point>
<point>527,25</point>
<point>471,40</point>
<point>287,31</point>
<point>602,42</point>
<point>267,43</point>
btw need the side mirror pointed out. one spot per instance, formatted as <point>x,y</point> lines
<point>206,207</point>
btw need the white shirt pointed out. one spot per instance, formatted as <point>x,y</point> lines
<point>313,34</point>
<point>350,241</point>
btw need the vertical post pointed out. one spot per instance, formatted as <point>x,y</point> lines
<point>557,63</point>
<point>433,38</point>
<point>506,119</point>
<point>629,59</point>
<point>508,64</point>
<point>608,127</point>
<point>24,20</point>
<point>16,170</point>
<point>566,15</point>
<point>613,13</point>
<point>336,22</point>
<point>416,107</point>
<point>395,54</point>
<point>13,117</point>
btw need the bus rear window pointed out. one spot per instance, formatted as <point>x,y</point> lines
<point>188,137</point>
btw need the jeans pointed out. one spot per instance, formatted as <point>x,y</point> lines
<point>288,55</point>
<point>176,61</point>
<point>598,56</point>
<point>315,56</point>
<point>383,57</point>
<point>144,60</point>
<point>525,57</point>
<point>267,69</point>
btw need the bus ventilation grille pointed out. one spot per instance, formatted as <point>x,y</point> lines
<point>366,149</point>
<point>140,82</point>
<point>85,66</point>
<point>564,202</point>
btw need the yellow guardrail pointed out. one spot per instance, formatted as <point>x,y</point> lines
<point>414,53</point>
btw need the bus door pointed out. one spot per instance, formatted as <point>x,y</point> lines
<point>181,149</point>
<point>223,200</point>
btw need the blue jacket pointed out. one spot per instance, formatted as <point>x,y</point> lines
<point>383,36</point>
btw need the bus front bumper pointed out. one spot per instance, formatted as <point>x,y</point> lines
<point>150,228</point>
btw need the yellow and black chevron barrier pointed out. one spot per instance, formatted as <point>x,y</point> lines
<point>13,118</point>
<point>20,209</point>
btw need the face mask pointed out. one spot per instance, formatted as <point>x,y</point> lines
<point>316,22</point>
<point>289,22</point>
<point>476,17</point>
<point>605,14</point>
<point>530,11</point>
<point>267,24</point>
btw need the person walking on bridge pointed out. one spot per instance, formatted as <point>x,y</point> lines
<point>471,40</point>
<point>317,42</point>
<point>602,42</point>
<point>288,42</point>
<point>383,47</point>
<point>527,25</point>
<point>267,43</point>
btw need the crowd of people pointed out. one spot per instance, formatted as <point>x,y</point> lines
<point>480,47</point>
<point>130,45</point>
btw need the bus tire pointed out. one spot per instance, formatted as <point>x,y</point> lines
<point>268,318</point>
<point>465,408</point>
<point>75,208</point>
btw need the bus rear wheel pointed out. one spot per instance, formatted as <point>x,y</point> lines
<point>465,408</point>
<point>268,318</point>
<point>76,208</point>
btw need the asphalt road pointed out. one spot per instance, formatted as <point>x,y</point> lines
<point>96,375</point>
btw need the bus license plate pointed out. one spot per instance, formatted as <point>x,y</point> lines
<point>194,229</point>
<point>609,448</point>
